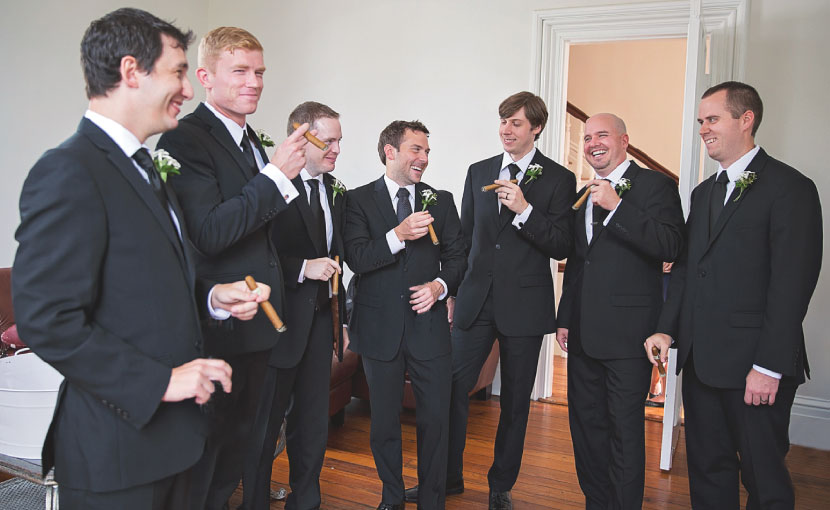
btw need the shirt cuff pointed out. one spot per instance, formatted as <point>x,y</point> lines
<point>284,184</point>
<point>767,372</point>
<point>218,313</point>
<point>443,284</point>
<point>395,244</point>
<point>301,278</point>
<point>520,219</point>
<point>611,213</point>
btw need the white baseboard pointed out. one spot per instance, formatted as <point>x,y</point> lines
<point>810,422</point>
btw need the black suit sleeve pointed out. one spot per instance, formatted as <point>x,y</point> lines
<point>453,257</point>
<point>55,281</point>
<point>214,223</point>
<point>655,228</point>
<point>795,260</point>
<point>365,252</point>
<point>468,211</point>
<point>550,225</point>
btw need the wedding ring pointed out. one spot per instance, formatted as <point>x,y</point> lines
<point>765,401</point>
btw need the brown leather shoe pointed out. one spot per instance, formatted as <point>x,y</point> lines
<point>501,500</point>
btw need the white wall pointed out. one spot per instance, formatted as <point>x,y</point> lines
<point>448,64</point>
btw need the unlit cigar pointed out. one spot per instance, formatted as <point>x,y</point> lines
<point>313,139</point>
<point>266,307</point>
<point>660,368</point>
<point>335,280</point>
<point>491,187</point>
<point>432,234</point>
<point>582,199</point>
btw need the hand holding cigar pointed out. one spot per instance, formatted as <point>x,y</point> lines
<point>491,187</point>
<point>660,368</point>
<point>313,139</point>
<point>266,306</point>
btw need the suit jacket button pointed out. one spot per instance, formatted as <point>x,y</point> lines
<point>587,262</point>
<point>703,273</point>
<point>272,264</point>
<point>498,247</point>
<point>489,273</point>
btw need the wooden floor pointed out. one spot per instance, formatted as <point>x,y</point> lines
<point>547,479</point>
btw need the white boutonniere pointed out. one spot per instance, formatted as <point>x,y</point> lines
<point>337,189</point>
<point>165,164</point>
<point>622,186</point>
<point>428,197</point>
<point>264,138</point>
<point>745,180</point>
<point>533,172</point>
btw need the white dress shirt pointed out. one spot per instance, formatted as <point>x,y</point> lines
<point>324,203</point>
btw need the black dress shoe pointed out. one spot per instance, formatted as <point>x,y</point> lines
<point>390,506</point>
<point>501,501</point>
<point>411,495</point>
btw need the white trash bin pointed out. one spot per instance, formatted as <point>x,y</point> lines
<point>28,391</point>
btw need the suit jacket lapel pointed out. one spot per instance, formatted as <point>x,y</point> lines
<point>142,188</point>
<point>384,204</point>
<point>729,208</point>
<point>221,134</point>
<point>328,180</point>
<point>257,143</point>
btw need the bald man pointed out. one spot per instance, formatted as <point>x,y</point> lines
<point>611,300</point>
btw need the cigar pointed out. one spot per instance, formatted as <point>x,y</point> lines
<point>432,235</point>
<point>335,280</point>
<point>582,199</point>
<point>491,187</point>
<point>313,139</point>
<point>266,307</point>
<point>660,368</point>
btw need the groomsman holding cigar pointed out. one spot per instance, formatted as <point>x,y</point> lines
<point>510,236</point>
<point>612,296</point>
<point>230,193</point>
<point>104,282</point>
<point>738,295</point>
<point>307,236</point>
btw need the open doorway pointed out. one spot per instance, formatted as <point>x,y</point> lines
<point>642,82</point>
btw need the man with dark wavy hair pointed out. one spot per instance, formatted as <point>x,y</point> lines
<point>104,285</point>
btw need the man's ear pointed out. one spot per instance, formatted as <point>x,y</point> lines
<point>390,152</point>
<point>203,76</point>
<point>129,71</point>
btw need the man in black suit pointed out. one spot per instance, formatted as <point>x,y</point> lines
<point>104,285</point>
<point>307,237</point>
<point>738,296</point>
<point>612,296</point>
<point>230,192</point>
<point>399,321</point>
<point>507,292</point>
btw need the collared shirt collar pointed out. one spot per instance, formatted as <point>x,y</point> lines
<point>305,176</point>
<point>735,169</point>
<point>616,174</point>
<point>122,136</point>
<point>233,128</point>
<point>523,163</point>
<point>392,187</point>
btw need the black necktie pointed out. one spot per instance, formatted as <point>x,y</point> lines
<point>404,207</point>
<point>249,153</point>
<point>319,217</point>
<point>598,215</point>
<point>319,220</point>
<point>717,199</point>
<point>145,161</point>
<point>514,170</point>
